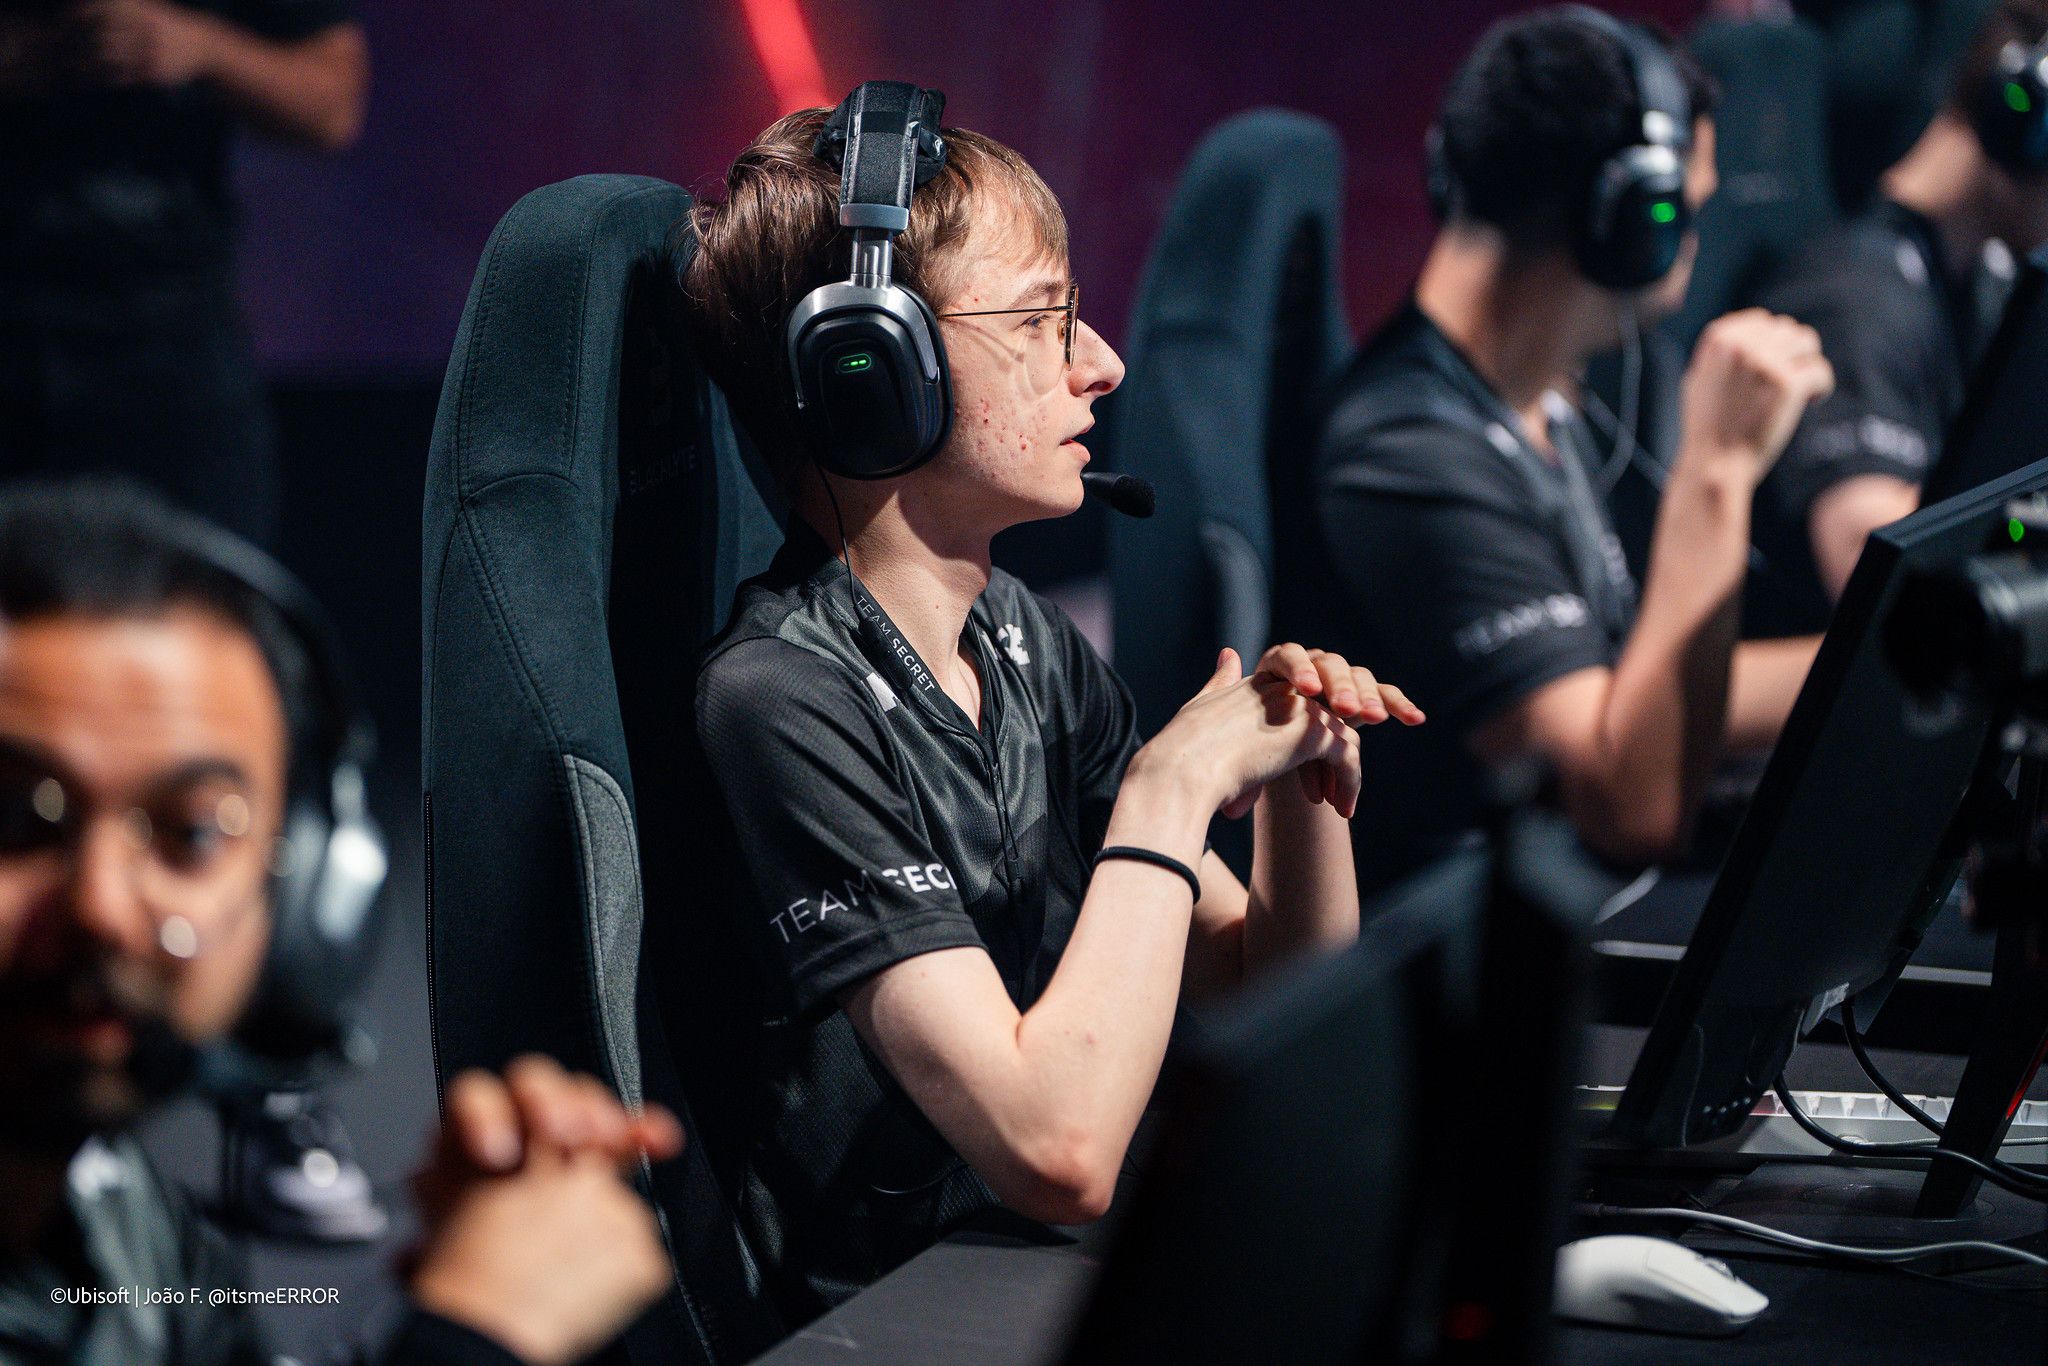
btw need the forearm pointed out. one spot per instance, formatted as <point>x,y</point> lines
<point>310,91</point>
<point>1043,1104</point>
<point>1844,515</point>
<point>1304,890</point>
<point>1092,1044</point>
<point>1764,682</point>
<point>1663,720</point>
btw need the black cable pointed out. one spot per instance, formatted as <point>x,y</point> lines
<point>845,551</point>
<point>1626,446</point>
<point>1888,1256</point>
<point>2019,1182</point>
<point>1891,1092</point>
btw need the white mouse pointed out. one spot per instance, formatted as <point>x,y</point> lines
<point>1638,1282</point>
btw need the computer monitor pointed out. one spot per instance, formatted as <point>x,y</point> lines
<point>1321,1192</point>
<point>1998,429</point>
<point>1844,858</point>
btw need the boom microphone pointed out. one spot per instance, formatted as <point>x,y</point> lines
<point>1127,493</point>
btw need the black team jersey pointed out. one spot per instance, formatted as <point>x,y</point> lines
<point>1458,561</point>
<point>858,819</point>
<point>1901,334</point>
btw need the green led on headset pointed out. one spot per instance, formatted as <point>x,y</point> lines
<point>2015,528</point>
<point>1663,211</point>
<point>2016,98</point>
<point>859,360</point>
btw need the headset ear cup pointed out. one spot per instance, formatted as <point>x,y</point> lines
<point>323,935</point>
<point>936,409</point>
<point>869,377</point>
<point>1636,219</point>
<point>2010,112</point>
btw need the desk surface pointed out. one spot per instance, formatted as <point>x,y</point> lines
<point>989,1302</point>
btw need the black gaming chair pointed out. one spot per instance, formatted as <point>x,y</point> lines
<point>1771,144</point>
<point>588,515</point>
<point>1237,321</point>
<point>1888,69</point>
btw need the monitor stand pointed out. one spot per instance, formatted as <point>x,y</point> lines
<point>2008,1052</point>
<point>1883,1200</point>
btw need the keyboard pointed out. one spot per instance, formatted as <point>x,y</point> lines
<point>1770,1132</point>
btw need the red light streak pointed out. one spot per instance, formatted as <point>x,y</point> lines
<point>783,41</point>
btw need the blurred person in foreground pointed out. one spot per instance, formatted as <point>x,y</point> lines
<point>1461,538</point>
<point>146,692</point>
<point>122,346</point>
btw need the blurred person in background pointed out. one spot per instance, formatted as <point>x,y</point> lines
<point>121,343</point>
<point>1465,545</point>
<point>1904,296</point>
<point>146,700</point>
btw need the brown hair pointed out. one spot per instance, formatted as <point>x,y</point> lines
<point>776,236</point>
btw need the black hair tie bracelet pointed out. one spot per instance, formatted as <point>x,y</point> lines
<point>1156,859</point>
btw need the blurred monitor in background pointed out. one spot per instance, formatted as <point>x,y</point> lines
<point>1905,296</point>
<point>122,347</point>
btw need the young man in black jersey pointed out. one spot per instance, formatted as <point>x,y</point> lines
<point>1452,464</point>
<point>1904,296</point>
<point>916,1004</point>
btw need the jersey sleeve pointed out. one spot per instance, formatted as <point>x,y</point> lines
<point>1471,605</point>
<point>838,875</point>
<point>1886,414</point>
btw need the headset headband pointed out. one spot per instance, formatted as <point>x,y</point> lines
<point>866,367</point>
<point>346,735</point>
<point>1660,91</point>
<point>884,138</point>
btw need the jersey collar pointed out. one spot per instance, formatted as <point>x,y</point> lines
<point>898,667</point>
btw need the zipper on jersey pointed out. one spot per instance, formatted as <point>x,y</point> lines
<point>991,753</point>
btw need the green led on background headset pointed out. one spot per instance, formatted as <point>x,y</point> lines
<point>2010,110</point>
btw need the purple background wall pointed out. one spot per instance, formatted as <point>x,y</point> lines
<point>357,267</point>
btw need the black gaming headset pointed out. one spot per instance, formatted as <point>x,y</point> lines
<point>1635,216</point>
<point>867,368</point>
<point>330,860</point>
<point>2010,110</point>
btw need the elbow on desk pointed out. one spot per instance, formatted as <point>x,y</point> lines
<point>1630,830</point>
<point>1068,1178</point>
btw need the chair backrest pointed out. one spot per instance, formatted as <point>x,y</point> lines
<point>1771,143</point>
<point>1238,320</point>
<point>588,514</point>
<point>1888,68</point>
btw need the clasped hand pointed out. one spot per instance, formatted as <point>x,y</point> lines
<point>1297,712</point>
<point>533,1235</point>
